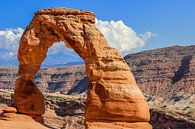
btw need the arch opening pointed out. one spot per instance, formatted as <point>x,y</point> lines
<point>60,55</point>
<point>112,92</point>
<point>63,69</point>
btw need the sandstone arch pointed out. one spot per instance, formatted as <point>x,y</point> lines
<point>114,101</point>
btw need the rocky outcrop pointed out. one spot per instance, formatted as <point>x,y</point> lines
<point>8,75</point>
<point>163,120</point>
<point>63,80</point>
<point>113,94</point>
<point>164,72</point>
<point>19,121</point>
<point>70,111</point>
<point>10,120</point>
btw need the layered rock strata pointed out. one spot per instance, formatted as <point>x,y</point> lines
<point>166,71</point>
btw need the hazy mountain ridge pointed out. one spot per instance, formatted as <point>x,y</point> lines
<point>162,72</point>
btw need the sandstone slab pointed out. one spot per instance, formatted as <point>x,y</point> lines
<point>19,121</point>
<point>10,110</point>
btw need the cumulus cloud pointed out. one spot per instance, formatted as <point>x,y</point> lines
<point>9,43</point>
<point>119,36</point>
<point>9,39</point>
<point>122,37</point>
<point>59,47</point>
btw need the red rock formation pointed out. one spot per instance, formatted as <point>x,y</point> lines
<point>114,100</point>
<point>166,71</point>
<point>19,121</point>
<point>67,112</point>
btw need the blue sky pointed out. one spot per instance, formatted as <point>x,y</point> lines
<point>170,22</point>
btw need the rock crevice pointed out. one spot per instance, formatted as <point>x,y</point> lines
<point>183,69</point>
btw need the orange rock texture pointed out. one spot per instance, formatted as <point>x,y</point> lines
<point>19,121</point>
<point>114,101</point>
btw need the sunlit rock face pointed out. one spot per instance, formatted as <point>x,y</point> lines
<point>114,101</point>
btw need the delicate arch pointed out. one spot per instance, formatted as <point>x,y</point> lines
<point>112,94</point>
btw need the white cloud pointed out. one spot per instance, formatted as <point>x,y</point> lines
<point>59,47</point>
<point>122,37</point>
<point>9,39</point>
<point>9,43</point>
<point>117,33</point>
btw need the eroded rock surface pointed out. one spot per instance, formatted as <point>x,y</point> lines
<point>64,111</point>
<point>164,72</point>
<point>113,94</point>
<point>10,120</point>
